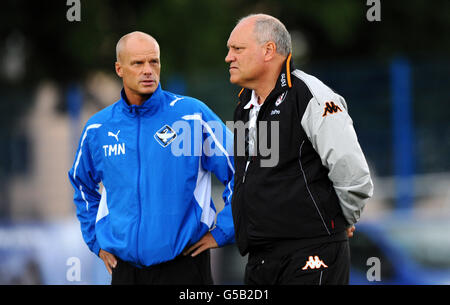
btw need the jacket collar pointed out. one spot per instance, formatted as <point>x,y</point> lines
<point>151,105</point>
<point>283,82</point>
<point>253,101</point>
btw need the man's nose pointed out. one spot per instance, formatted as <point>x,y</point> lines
<point>230,57</point>
<point>147,68</point>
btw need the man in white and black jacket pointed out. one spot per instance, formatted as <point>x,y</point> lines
<point>293,216</point>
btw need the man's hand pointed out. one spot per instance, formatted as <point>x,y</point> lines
<point>350,231</point>
<point>109,260</point>
<point>205,243</point>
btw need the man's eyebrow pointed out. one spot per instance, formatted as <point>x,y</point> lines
<point>144,59</point>
<point>234,45</point>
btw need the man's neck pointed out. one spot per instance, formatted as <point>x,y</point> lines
<point>263,92</point>
<point>266,84</point>
<point>134,98</point>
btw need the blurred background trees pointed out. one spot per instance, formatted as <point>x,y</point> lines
<point>193,34</point>
<point>54,74</point>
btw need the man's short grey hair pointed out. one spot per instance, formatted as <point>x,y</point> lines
<point>268,28</point>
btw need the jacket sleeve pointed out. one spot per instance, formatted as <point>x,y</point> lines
<point>218,159</point>
<point>330,130</point>
<point>85,182</point>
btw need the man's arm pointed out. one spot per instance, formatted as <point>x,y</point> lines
<point>85,182</point>
<point>330,130</point>
<point>221,163</point>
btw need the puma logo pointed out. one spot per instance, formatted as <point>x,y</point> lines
<point>116,136</point>
<point>175,100</point>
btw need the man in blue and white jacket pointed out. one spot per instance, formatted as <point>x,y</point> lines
<point>153,152</point>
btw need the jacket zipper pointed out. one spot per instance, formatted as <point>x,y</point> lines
<point>250,158</point>
<point>139,182</point>
<point>309,191</point>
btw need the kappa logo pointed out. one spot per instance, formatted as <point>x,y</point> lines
<point>330,108</point>
<point>280,99</point>
<point>165,136</point>
<point>314,263</point>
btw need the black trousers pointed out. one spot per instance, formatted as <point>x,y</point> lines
<point>319,264</point>
<point>183,270</point>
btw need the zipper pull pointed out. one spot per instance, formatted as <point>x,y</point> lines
<point>134,109</point>
<point>249,160</point>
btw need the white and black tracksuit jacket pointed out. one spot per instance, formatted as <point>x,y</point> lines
<point>321,181</point>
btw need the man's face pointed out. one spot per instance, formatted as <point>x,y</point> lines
<point>245,55</point>
<point>139,66</point>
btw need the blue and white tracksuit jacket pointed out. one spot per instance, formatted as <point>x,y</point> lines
<point>155,163</point>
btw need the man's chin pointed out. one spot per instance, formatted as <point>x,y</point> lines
<point>234,80</point>
<point>145,90</point>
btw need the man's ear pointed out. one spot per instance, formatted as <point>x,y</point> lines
<point>118,69</point>
<point>270,49</point>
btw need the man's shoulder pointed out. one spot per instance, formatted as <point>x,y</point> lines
<point>175,99</point>
<point>315,87</point>
<point>321,96</point>
<point>186,104</point>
